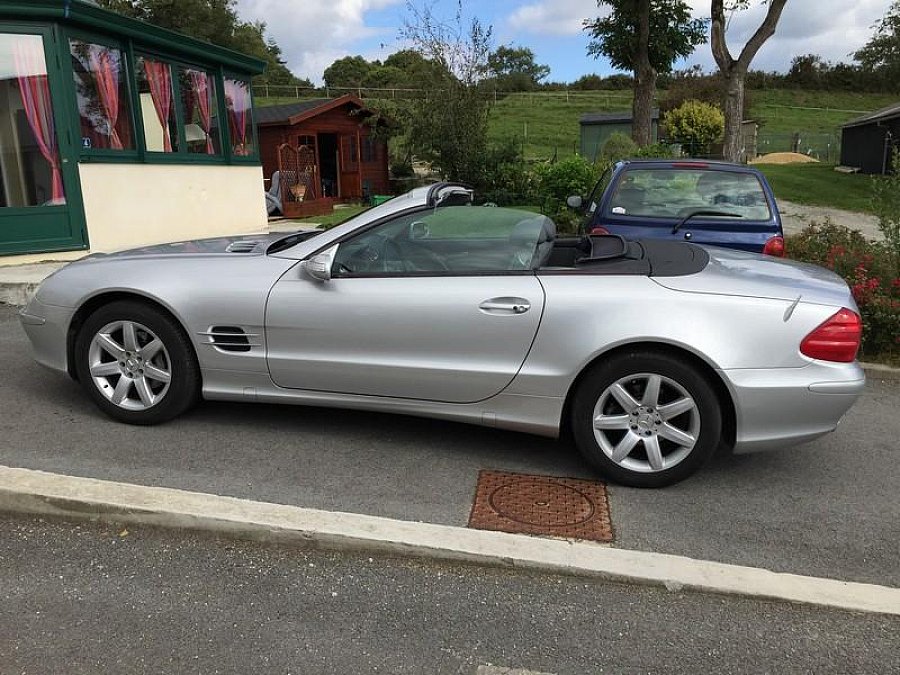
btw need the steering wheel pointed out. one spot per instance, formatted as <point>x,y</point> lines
<point>419,258</point>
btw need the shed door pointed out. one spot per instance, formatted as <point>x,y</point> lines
<point>351,184</point>
<point>40,207</point>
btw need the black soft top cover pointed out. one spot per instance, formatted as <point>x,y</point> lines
<point>611,254</point>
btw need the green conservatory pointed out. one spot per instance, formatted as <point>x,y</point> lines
<point>115,133</point>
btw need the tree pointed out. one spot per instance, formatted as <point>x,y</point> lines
<point>734,71</point>
<point>807,70</point>
<point>882,51</point>
<point>514,69</point>
<point>350,71</point>
<point>645,37</point>
<point>214,21</point>
<point>450,126</point>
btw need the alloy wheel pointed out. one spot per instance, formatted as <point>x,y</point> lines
<point>646,423</point>
<point>130,365</point>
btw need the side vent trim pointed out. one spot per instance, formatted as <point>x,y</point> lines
<point>231,338</point>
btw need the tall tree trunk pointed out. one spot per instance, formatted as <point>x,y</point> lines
<point>734,71</point>
<point>733,148</point>
<point>644,81</point>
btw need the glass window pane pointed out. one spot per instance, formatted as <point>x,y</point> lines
<point>29,154</point>
<point>673,193</point>
<point>198,100</point>
<point>101,94</point>
<point>157,105</point>
<point>240,117</point>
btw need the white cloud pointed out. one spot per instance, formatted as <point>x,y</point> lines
<point>832,29</point>
<point>313,33</point>
<point>554,17</point>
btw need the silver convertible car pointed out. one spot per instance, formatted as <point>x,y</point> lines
<point>652,354</point>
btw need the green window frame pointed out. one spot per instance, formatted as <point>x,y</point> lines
<point>252,157</point>
<point>123,155</point>
<point>133,50</point>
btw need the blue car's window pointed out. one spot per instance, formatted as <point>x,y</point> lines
<point>674,193</point>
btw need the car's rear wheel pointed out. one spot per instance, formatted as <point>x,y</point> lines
<point>646,419</point>
<point>136,363</point>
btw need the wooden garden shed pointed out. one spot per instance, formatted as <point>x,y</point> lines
<point>325,150</point>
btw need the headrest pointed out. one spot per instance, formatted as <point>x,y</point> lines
<point>533,231</point>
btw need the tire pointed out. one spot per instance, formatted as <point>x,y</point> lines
<point>146,374</point>
<point>639,439</point>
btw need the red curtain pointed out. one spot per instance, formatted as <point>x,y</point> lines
<point>202,98</point>
<point>159,77</point>
<point>35,91</point>
<point>238,101</point>
<point>106,74</point>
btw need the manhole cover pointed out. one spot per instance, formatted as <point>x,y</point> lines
<point>524,504</point>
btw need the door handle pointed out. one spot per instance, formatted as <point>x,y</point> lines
<point>505,306</point>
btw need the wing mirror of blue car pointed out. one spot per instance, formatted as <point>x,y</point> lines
<point>319,266</point>
<point>575,202</point>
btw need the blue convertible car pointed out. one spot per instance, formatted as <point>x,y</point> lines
<point>713,203</point>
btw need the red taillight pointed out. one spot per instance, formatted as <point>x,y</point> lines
<point>835,340</point>
<point>690,165</point>
<point>599,230</point>
<point>775,246</point>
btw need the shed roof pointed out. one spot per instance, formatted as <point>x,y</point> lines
<point>86,14</point>
<point>889,113</point>
<point>611,118</point>
<point>294,113</point>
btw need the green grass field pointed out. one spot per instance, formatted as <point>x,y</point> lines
<point>820,185</point>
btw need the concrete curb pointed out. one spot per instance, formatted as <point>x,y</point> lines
<point>17,294</point>
<point>37,492</point>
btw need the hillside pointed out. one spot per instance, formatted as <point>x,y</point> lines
<point>546,123</point>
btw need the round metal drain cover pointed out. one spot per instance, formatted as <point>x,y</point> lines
<point>541,503</point>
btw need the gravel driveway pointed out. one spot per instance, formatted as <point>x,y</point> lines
<point>795,217</point>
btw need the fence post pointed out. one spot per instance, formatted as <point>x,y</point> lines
<point>267,91</point>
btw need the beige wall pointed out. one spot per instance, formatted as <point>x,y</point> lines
<point>130,205</point>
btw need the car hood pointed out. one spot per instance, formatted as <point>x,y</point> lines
<point>732,272</point>
<point>253,244</point>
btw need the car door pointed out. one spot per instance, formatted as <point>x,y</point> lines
<point>403,313</point>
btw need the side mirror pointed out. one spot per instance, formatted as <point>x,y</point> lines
<point>575,202</point>
<point>319,266</point>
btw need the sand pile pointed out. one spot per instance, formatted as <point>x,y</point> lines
<point>783,158</point>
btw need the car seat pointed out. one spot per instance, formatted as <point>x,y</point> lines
<point>531,241</point>
<point>630,198</point>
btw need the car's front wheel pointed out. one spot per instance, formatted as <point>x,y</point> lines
<point>136,363</point>
<point>646,419</point>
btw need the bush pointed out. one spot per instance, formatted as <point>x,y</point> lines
<point>886,204</point>
<point>618,146</point>
<point>556,182</point>
<point>507,180</point>
<point>870,270</point>
<point>696,125</point>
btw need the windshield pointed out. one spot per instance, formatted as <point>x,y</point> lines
<point>673,193</point>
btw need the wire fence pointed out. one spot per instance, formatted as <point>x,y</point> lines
<point>402,93</point>
<point>826,147</point>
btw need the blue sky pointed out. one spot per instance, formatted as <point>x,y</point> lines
<point>313,33</point>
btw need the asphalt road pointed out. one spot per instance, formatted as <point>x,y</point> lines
<point>826,509</point>
<point>93,599</point>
